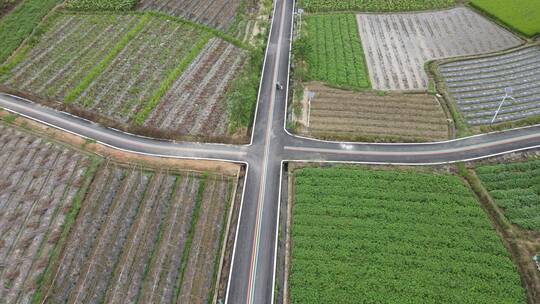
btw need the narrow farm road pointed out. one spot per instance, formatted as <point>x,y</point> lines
<point>253,267</point>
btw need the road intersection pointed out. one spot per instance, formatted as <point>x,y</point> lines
<point>252,274</point>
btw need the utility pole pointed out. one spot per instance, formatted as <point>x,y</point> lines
<point>507,94</point>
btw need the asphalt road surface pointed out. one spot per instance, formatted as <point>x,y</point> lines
<point>253,269</point>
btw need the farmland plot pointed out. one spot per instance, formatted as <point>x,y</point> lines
<point>147,236</point>
<point>522,16</point>
<point>214,13</point>
<point>195,104</point>
<point>398,45</point>
<point>394,237</point>
<point>372,5</point>
<point>39,181</point>
<point>478,86</point>
<point>343,115</point>
<point>134,71</point>
<point>515,188</point>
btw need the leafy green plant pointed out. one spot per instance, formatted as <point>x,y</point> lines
<point>394,237</point>
<point>16,26</point>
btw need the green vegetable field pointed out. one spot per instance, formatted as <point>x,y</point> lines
<point>373,236</point>
<point>516,189</point>
<point>522,16</point>
<point>334,53</point>
<point>373,5</point>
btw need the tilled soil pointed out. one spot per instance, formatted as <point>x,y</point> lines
<point>131,235</point>
<point>338,114</point>
<point>214,13</point>
<point>38,181</point>
<point>397,46</point>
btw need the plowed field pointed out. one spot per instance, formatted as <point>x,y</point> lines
<point>147,236</point>
<point>478,86</point>
<point>344,115</point>
<point>39,181</point>
<point>397,45</point>
<point>137,73</point>
<point>214,13</point>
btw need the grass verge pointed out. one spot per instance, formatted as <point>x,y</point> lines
<point>20,23</point>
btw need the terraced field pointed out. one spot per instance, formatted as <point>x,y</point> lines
<point>147,236</point>
<point>133,71</point>
<point>478,85</point>
<point>394,237</point>
<point>39,181</point>
<point>397,46</point>
<point>218,14</point>
<point>515,188</point>
<point>343,115</point>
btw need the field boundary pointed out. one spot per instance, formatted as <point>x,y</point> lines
<point>505,230</point>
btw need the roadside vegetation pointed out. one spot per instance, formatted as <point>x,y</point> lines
<point>19,23</point>
<point>515,187</point>
<point>96,5</point>
<point>394,236</point>
<point>373,5</point>
<point>522,16</point>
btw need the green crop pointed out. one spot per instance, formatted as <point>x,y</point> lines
<point>522,16</point>
<point>515,188</point>
<point>333,51</point>
<point>373,236</point>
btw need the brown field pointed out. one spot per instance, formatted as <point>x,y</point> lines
<point>214,13</point>
<point>344,115</point>
<point>148,236</point>
<point>397,46</point>
<point>38,182</point>
<point>77,228</point>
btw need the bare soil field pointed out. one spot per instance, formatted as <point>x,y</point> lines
<point>397,46</point>
<point>194,105</point>
<point>214,13</point>
<point>136,73</point>
<point>477,86</point>
<point>367,116</point>
<point>143,235</point>
<point>39,181</point>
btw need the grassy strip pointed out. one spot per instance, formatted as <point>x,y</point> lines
<point>66,228</point>
<point>101,66</point>
<point>187,247</point>
<point>20,23</point>
<point>142,115</point>
<point>158,240</point>
<point>201,27</point>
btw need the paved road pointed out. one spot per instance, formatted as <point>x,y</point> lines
<point>253,269</point>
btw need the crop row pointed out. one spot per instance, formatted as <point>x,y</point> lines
<point>394,236</point>
<point>126,69</point>
<point>219,14</point>
<point>479,85</point>
<point>334,51</point>
<point>342,113</point>
<point>142,236</point>
<point>516,189</point>
<point>398,45</point>
<point>39,181</point>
